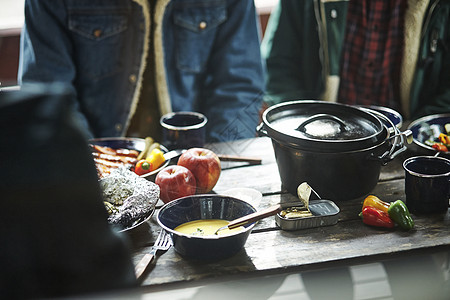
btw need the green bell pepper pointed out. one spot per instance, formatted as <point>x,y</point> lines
<point>400,214</point>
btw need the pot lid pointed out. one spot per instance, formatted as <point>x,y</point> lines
<point>323,126</point>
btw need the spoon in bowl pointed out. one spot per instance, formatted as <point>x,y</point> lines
<point>303,191</point>
<point>264,213</point>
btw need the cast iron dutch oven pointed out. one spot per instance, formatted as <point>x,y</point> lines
<point>338,149</point>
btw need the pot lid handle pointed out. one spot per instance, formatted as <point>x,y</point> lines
<point>316,117</point>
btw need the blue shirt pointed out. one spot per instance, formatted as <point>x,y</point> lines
<point>206,54</point>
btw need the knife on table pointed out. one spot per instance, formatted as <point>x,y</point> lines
<point>251,160</point>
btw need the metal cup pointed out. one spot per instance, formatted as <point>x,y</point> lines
<point>427,184</point>
<point>183,130</point>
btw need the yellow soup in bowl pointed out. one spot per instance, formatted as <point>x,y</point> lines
<point>206,227</point>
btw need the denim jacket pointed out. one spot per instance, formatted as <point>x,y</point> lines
<point>302,48</point>
<point>206,54</point>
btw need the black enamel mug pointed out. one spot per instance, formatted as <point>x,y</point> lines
<point>427,184</point>
<point>183,130</point>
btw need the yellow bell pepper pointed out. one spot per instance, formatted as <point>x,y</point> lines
<point>444,139</point>
<point>156,158</point>
<point>374,201</point>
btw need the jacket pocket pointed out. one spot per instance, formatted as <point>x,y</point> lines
<point>99,39</point>
<point>196,24</point>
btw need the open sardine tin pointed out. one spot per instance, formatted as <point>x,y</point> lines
<point>324,213</point>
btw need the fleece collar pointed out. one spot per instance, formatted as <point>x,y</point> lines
<point>413,27</point>
<point>160,71</point>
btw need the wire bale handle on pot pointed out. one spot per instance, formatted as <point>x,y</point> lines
<point>398,140</point>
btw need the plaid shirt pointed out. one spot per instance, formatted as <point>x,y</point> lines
<point>372,53</point>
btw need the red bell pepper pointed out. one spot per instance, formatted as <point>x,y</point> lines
<point>440,147</point>
<point>142,167</point>
<point>375,217</point>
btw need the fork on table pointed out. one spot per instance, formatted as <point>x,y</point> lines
<point>162,243</point>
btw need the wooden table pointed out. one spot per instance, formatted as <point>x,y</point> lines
<point>270,250</point>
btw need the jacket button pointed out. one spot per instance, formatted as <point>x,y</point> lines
<point>98,33</point>
<point>132,78</point>
<point>202,25</point>
<point>118,127</point>
<point>333,14</point>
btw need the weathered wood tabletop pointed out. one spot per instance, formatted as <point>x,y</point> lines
<point>270,250</point>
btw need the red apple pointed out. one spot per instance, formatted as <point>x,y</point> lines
<point>175,182</point>
<point>204,164</point>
